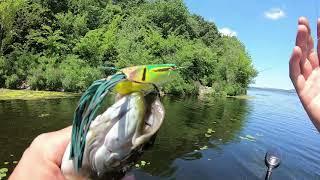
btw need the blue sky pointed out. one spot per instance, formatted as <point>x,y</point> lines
<point>267,28</point>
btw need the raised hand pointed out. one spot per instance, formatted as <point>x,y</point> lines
<point>304,70</point>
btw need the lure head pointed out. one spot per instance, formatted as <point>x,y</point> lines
<point>144,78</point>
<point>150,74</point>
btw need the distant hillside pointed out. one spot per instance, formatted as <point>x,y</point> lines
<point>273,89</point>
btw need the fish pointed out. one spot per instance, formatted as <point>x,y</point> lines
<point>116,135</point>
<point>106,143</point>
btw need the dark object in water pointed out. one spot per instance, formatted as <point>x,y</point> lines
<point>272,161</point>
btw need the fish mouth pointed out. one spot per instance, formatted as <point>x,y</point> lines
<point>154,115</point>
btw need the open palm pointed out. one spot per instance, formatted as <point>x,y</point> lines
<point>305,71</point>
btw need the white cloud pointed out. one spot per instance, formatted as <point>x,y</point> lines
<point>211,19</point>
<point>274,14</point>
<point>227,32</point>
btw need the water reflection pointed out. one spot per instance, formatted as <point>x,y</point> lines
<point>183,132</point>
<point>21,121</point>
<point>274,119</point>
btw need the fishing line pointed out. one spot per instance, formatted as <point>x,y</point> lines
<point>265,69</point>
<point>317,8</point>
<point>185,67</point>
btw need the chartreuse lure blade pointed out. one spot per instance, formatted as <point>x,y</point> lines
<point>127,80</point>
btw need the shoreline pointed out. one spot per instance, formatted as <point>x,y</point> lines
<point>241,97</point>
<point>12,94</point>
<point>23,94</point>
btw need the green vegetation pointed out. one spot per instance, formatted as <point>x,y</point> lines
<point>3,173</point>
<point>6,94</point>
<point>142,164</point>
<point>66,45</point>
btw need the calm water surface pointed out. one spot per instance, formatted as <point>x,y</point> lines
<point>273,118</point>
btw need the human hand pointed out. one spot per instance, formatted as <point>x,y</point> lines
<point>42,159</point>
<point>304,70</point>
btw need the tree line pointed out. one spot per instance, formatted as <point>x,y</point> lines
<point>67,44</point>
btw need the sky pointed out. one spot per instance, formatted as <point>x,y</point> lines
<point>266,27</point>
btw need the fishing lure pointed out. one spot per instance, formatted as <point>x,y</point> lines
<point>144,78</point>
<point>133,84</point>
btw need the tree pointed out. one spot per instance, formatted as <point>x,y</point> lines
<point>66,44</point>
<point>8,10</point>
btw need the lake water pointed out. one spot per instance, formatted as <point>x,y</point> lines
<point>275,119</point>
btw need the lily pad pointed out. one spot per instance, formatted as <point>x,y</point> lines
<point>250,137</point>
<point>247,137</point>
<point>209,131</point>
<point>204,148</point>
<point>6,163</point>
<point>3,170</point>
<point>15,162</point>
<point>143,163</point>
<point>43,115</point>
<point>3,175</point>
<point>207,135</point>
